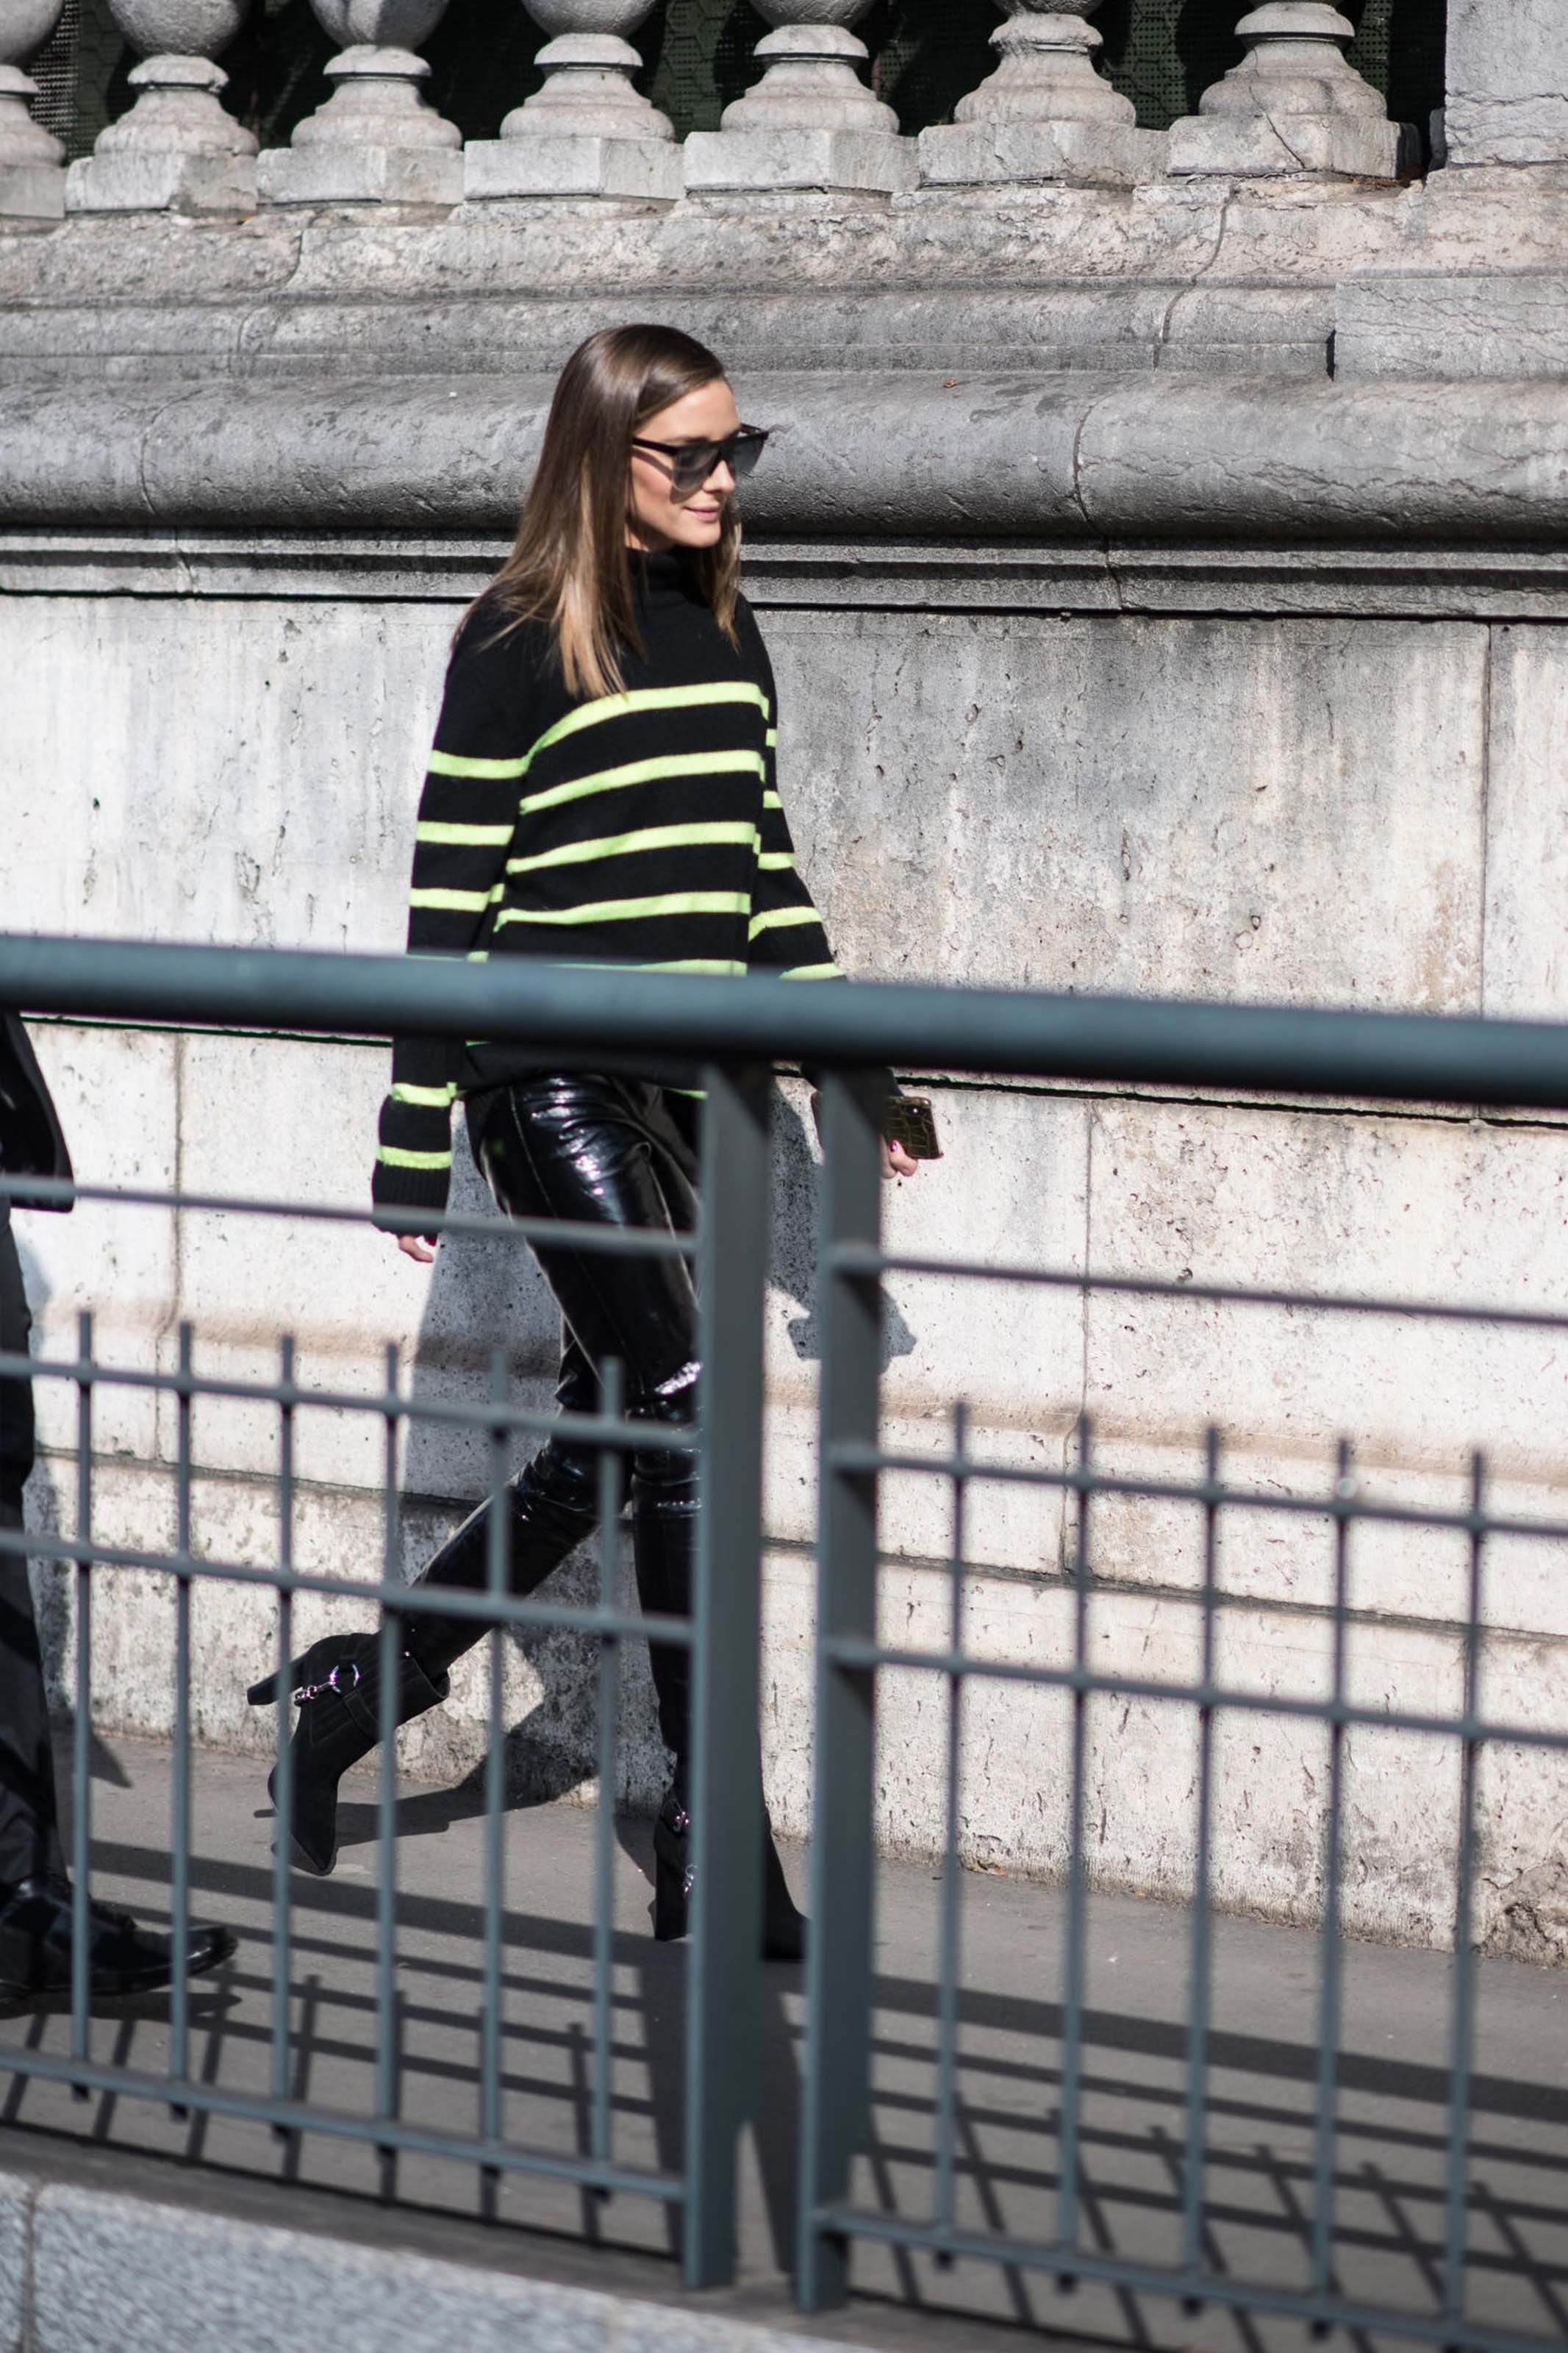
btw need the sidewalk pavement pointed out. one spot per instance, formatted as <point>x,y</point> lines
<point>1393,2097</point>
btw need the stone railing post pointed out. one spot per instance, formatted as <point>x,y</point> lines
<point>1508,83</point>
<point>1294,108</point>
<point>589,133</point>
<point>376,141</point>
<point>1045,113</point>
<point>176,151</point>
<point>32,162</point>
<point>811,125</point>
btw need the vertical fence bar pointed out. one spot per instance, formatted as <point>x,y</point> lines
<point>81,1731</point>
<point>726,1927</point>
<point>837,2097</point>
<point>1073,1970</point>
<point>1201,1991</point>
<point>498,1571</point>
<point>610,1403</point>
<point>388,1659</point>
<point>283,1769</point>
<point>950,1943</point>
<point>180,1992</point>
<point>1456,2236</point>
<point>1326,2131</point>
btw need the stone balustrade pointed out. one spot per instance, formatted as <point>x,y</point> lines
<point>810,133</point>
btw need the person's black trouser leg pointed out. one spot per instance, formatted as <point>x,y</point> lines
<point>30,1833</point>
<point>605,1151</point>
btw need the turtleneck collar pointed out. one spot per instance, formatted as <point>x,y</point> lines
<point>662,579</point>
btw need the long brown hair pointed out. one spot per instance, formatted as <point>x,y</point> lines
<point>570,565</point>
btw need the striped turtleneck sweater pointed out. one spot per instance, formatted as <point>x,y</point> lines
<point>642,827</point>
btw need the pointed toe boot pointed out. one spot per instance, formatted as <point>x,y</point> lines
<point>336,1686</point>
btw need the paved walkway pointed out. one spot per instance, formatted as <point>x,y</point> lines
<point>1393,2080</point>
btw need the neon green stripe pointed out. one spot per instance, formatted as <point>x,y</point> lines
<point>649,698</point>
<point>771,800</point>
<point>463,837</point>
<point>696,963</point>
<point>775,860</point>
<point>455,903</point>
<point>620,845</point>
<point>643,772</point>
<point>628,911</point>
<point>681,963</point>
<point>810,972</point>
<point>428,1098</point>
<point>772,737</point>
<point>773,919</point>
<point>449,763</point>
<point>391,1158</point>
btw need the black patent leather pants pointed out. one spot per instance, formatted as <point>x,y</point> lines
<point>597,1150</point>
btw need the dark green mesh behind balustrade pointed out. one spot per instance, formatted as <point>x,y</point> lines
<point>1161,54</point>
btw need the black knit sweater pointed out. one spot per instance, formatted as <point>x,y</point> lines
<point>642,827</point>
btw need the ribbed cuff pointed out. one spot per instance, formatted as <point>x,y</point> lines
<point>402,1196</point>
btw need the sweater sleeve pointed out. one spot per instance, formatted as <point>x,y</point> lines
<point>468,811</point>
<point>785,938</point>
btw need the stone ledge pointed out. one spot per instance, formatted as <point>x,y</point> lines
<point>1065,458</point>
<point>1499,585</point>
<point>84,2266</point>
<point>1461,326</point>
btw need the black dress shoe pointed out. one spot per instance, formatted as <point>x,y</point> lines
<point>36,1929</point>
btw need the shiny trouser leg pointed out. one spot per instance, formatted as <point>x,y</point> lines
<point>30,1833</point>
<point>595,1150</point>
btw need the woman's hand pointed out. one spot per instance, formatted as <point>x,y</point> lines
<point>419,1246</point>
<point>897,1161</point>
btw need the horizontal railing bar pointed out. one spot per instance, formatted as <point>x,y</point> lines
<point>628,1241</point>
<point>583,1429</point>
<point>854,1456</point>
<point>1396,1057</point>
<point>1193,2287</point>
<point>854,1651</point>
<point>297,2115</point>
<point>405,1600</point>
<point>858,1257</point>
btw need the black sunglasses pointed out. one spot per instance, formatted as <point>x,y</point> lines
<point>691,463</point>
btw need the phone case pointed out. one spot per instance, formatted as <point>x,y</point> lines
<point>909,1119</point>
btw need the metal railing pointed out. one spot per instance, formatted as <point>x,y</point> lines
<point>738,1031</point>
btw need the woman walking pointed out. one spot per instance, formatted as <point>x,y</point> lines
<point>602,789</point>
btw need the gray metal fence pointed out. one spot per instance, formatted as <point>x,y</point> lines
<point>739,1030</point>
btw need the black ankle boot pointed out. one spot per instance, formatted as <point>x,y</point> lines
<point>336,1686</point>
<point>783,1927</point>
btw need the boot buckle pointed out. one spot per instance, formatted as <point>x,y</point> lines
<point>348,1667</point>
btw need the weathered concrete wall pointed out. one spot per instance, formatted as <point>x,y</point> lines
<point>1309,807</point>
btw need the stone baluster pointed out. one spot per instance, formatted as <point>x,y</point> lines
<point>176,151</point>
<point>1045,113</point>
<point>1294,108</point>
<point>811,126</point>
<point>32,163</point>
<point>376,140</point>
<point>589,133</point>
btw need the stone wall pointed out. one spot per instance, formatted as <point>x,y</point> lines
<point>1307,808</point>
<point>1161,549</point>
